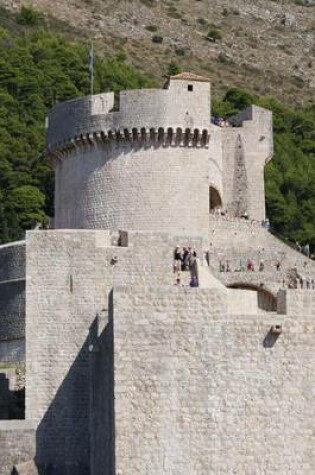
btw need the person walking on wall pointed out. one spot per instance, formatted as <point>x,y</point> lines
<point>193,263</point>
<point>177,259</point>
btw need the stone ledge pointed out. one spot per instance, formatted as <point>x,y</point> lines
<point>144,137</point>
<point>17,425</point>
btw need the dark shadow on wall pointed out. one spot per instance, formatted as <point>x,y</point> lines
<point>77,430</point>
<point>215,201</point>
<point>102,423</point>
<point>270,339</point>
<point>12,403</point>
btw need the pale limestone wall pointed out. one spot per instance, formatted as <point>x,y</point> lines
<point>17,444</point>
<point>178,381</point>
<point>236,240</point>
<point>150,108</point>
<point>12,302</point>
<point>297,302</point>
<point>69,279</point>
<point>246,149</point>
<point>119,187</point>
<point>161,358</point>
<point>145,167</point>
<point>242,299</point>
<point>199,392</point>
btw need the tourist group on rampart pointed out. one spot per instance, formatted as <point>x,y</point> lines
<point>224,214</point>
<point>248,265</point>
<point>292,277</point>
<point>185,260</point>
<point>220,121</point>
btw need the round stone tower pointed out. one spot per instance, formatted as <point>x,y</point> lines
<point>143,167</point>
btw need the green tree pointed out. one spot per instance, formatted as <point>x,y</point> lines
<point>37,70</point>
<point>28,203</point>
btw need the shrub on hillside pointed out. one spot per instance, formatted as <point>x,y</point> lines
<point>149,3</point>
<point>180,52</point>
<point>214,35</point>
<point>174,69</point>
<point>29,16</point>
<point>157,39</point>
<point>152,28</point>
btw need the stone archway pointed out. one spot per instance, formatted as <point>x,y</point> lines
<point>215,201</point>
<point>266,300</point>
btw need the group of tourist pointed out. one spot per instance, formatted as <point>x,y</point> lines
<point>218,211</point>
<point>302,282</point>
<point>248,265</point>
<point>185,259</point>
<point>220,121</point>
<point>300,279</point>
<point>296,280</point>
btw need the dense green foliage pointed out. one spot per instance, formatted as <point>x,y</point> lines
<point>38,69</point>
<point>290,176</point>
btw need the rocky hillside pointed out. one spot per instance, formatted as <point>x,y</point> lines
<point>264,46</point>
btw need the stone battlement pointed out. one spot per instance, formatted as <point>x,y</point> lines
<point>184,105</point>
<point>143,137</point>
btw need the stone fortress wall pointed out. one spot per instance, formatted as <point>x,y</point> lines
<point>237,240</point>
<point>115,171</point>
<point>17,442</point>
<point>12,302</point>
<point>77,269</point>
<point>181,358</point>
<point>247,147</point>
<point>174,107</point>
<point>126,372</point>
<point>182,365</point>
<point>218,394</point>
<point>113,168</point>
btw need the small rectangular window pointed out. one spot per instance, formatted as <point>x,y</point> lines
<point>190,87</point>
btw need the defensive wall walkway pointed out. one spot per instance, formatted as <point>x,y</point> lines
<point>236,240</point>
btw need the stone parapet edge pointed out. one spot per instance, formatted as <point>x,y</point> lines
<point>153,137</point>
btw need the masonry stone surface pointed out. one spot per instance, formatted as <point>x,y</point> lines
<point>12,302</point>
<point>205,392</point>
<point>17,443</point>
<point>118,187</point>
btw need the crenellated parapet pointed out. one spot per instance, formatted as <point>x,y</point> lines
<point>143,137</point>
<point>178,115</point>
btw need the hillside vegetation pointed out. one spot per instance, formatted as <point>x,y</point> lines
<point>264,46</point>
<point>39,67</point>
